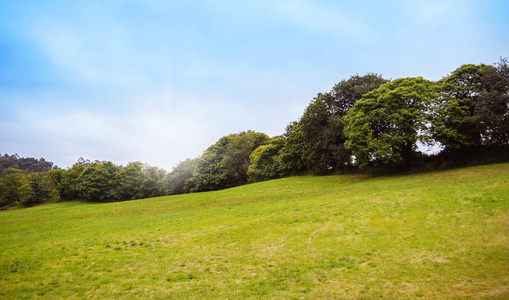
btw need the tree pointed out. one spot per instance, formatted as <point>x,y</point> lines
<point>36,190</point>
<point>453,122</point>
<point>316,141</point>
<point>97,182</point>
<point>12,187</point>
<point>472,111</point>
<point>65,182</point>
<point>265,161</point>
<point>386,124</point>
<point>175,181</point>
<point>491,113</point>
<point>346,93</point>
<point>224,164</point>
<point>236,156</point>
<point>129,181</point>
<point>152,185</point>
<point>26,164</point>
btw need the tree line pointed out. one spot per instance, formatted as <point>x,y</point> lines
<point>364,123</point>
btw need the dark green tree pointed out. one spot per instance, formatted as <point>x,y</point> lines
<point>491,114</point>
<point>129,181</point>
<point>26,164</point>
<point>65,182</point>
<point>454,125</point>
<point>98,182</point>
<point>13,187</point>
<point>472,112</point>
<point>236,157</point>
<point>316,141</point>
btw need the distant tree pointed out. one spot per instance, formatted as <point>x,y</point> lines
<point>36,190</point>
<point>97,182</point>
<point>26,164</point>
<point>346,93</point>
<point>236,156</point>
<point>82,161</point>
<point>386,124</point>
<point>292,152</point>
<point>129,181</point>
<point>175,181</point>
<point>225,163</point>
<point>12,187</point>
<point>152,185</point>
<point>65,182</point>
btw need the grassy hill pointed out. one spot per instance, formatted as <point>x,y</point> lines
<point>433,235</point>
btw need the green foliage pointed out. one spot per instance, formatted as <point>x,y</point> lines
<point>13,187</point>
<point>129,181</point>
<point>453,123</point>
<point>316,141</point>
<point>364,120</point>
<point>152,185</point>
<point>346,93</point>
<point>386,124</point>
<point>472,112</point>
<point>225,164</point>
<point>37,189</point>
<point>98,183</point>
<point>265,161</point>
<point>26,164</point>
<point>175,181</point>
<point>492,109</point>
<point>66,182</point>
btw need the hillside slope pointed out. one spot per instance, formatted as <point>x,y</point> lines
<point>434,235</point>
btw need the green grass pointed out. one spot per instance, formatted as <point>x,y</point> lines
<point>433,235</point>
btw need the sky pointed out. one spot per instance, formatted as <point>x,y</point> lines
<point>159,81</point>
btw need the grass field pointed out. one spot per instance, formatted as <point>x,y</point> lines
<point>433,235</point>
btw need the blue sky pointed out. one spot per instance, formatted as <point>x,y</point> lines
<point>159,81</point>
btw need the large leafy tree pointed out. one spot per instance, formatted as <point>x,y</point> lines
<point>472,111</point>
<point>316,141</point>
<point>454,125</point>
<point>491,113</point>
<point>386,124</point>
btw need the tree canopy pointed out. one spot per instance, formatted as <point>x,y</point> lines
<point>225,164</point>
<point>364,122</point>
<point>386,124</point>
<point>316,142</point>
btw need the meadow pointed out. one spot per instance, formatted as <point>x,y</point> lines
<point>432,235</point>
